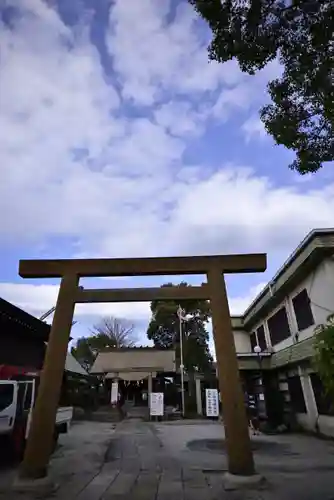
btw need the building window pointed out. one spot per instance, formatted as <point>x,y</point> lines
<point>303,311</point>
<point>324,404</point>
<point>297,400</point>
<point>253,341</point>
<point>278,326</point>
<point>28,397</point>
<point>261,338</point>
<point>6,395</point>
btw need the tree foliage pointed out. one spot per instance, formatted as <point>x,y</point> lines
<point>300,34</point>
<point>324,355</point>
<point>83,352</point>
<point>164,330</point>
<point>109,332</point>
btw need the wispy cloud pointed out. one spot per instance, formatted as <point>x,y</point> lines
<point>101,155</point>
<point>253,128</point>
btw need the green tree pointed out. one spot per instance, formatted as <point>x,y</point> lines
<point>83,352</point>
<point>324,355</point>
<point>164,330</point>
<point>108,333</point>
<point>300,34</point>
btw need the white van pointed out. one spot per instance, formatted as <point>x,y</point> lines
<point>17,399</point>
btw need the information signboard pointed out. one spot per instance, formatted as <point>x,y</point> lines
<point>212,403</point>
<point>114,393</point>
<point>157,404</point>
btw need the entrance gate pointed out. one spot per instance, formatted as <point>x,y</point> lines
<point>238,445</point>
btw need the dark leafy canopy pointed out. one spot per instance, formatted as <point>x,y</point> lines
<point>109,332</point>
<point>164,330</point>
<point>83,352</point>
<point>300,34</point>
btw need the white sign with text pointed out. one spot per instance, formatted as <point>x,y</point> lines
<point>114,393</point>
<point>156,404</point>
<point>212,402</point>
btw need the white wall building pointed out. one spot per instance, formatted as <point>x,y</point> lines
<point>282,319</point>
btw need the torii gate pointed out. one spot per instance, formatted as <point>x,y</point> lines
<point>39,445</point>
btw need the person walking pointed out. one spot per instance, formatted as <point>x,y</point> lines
<point>252,413</point>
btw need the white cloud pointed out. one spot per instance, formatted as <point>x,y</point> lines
<point>238,305</point>
<point>101,157</point>
<point>253,128</point>
<point>249,92</point>
<point>81,157</point>
<point>180,119</point>
<point>153,56</point>
<point>237,97</point>
<point>39,298</point>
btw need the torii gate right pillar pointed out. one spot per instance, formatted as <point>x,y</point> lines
<point>238,443</point>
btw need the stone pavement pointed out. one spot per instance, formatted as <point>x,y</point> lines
<point>147,461</point>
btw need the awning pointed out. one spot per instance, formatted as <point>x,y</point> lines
<point>135,359</point>
<point>130,376</point>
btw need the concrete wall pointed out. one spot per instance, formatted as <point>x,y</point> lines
<point>320,288</point>
<point>311,420</point>
<point>242,341</point>
<point>326,425</point>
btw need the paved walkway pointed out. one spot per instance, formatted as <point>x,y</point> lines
<point>144,461</point>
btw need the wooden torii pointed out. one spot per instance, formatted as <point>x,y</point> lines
<point>39,445</point>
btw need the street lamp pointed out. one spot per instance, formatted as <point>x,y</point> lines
<point>257,349</point>
<point>182,317</point>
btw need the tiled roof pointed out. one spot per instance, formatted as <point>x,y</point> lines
<point>73,366</point>
<point>138,359</point>
<point>27,323</point>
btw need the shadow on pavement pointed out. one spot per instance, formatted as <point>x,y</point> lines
<point>263,447</point>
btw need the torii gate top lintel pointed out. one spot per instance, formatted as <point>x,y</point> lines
<point>147,266</point>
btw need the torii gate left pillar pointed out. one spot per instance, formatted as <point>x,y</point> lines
<point>39,445</point>
<point>40,439</point>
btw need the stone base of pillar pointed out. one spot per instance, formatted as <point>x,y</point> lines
<point>40,487</point>
<point>234,482</point>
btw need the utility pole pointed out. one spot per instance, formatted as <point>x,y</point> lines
<point>181,315</point>
<point>49,312</point>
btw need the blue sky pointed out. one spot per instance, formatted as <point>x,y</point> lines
<point>119,138</point>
